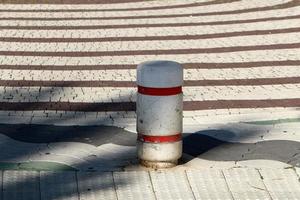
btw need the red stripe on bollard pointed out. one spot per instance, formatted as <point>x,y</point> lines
<point>159,139</point>
<point>159,91</point>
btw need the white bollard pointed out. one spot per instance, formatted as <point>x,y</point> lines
<point>159,113</point>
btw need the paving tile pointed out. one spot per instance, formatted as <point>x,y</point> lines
<point>208,184</point>
<point>171,185</point>
<point>133,185</point>
<point>1,185</point>
<point>187,10</point>
<point>246,184</point>
<point>195,19</point>
<point>94,186</point>
<point>298,172</point>
<point>85,5</point>
<point>281,183</point>
<point>58,185</point>
<point>128,94</point>
<point>276,55</point>
<point>21,185</point>
<point>154,45</point>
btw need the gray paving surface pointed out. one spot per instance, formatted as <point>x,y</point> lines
<point>281,184</point>
<point>171,185</point>
<point>21,185</point>
<point>95,185</point>
<point>246,184</point>
<point>133,185</point>
<point>209,184</point>
<point>58,185</point>
<point>236,183</point>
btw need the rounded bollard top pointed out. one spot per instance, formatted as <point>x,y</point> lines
<point>160,74</point>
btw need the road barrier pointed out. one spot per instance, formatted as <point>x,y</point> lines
<point>159,113</point>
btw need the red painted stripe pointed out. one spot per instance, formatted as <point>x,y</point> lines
<point>159,91</point>
<point>159,139</point>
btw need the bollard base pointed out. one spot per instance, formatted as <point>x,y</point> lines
<point>158,165</point>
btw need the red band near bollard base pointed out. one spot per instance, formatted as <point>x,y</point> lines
<point>159,91</point>
<point>159,139</point>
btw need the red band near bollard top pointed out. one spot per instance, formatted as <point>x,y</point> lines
<point>159,91</point>
<point>159,139</point>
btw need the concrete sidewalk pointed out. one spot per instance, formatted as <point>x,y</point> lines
<point>235,183</point>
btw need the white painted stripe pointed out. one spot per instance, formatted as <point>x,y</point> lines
<point>117,94</point>
<point>194,121</point>
<point>153,31</point>
<point>286,91</point>
<point>287,38</point>
<point>245,56</point>
<point>130,74</point>
<point>242,73</point>
<point>56,94</point>
<point>279,112</point>
<point>293,11</point>
<point>142,4</point>
<point>72,75</point>
<point>258,114</point>
<point>243,4</point>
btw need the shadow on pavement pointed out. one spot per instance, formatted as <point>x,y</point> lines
<point>93,135</point>
<point>206,147</point>
<point>201,144</point>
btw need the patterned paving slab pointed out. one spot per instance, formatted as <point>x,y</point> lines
<point>94,186</point>
<point>281,184</point>
<point>1,185</point>
<point>57,185</point>
<point>171,185</point>
<point>139,185</point>
<point>208,184</point>
<point>107,148</point>
<point>21,185</point>
<point>236,183</point>
<point>246,184</point>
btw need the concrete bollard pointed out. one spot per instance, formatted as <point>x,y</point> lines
<point>159,113</point>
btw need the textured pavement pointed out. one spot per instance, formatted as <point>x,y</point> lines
<point>67,97</point>
<point>238,183</point>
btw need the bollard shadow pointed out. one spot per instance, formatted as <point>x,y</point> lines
<point>205,146</point>
<point>93,135</point>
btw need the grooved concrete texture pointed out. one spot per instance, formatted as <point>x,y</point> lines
<point>211,184</point>
<point>21,185</point>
